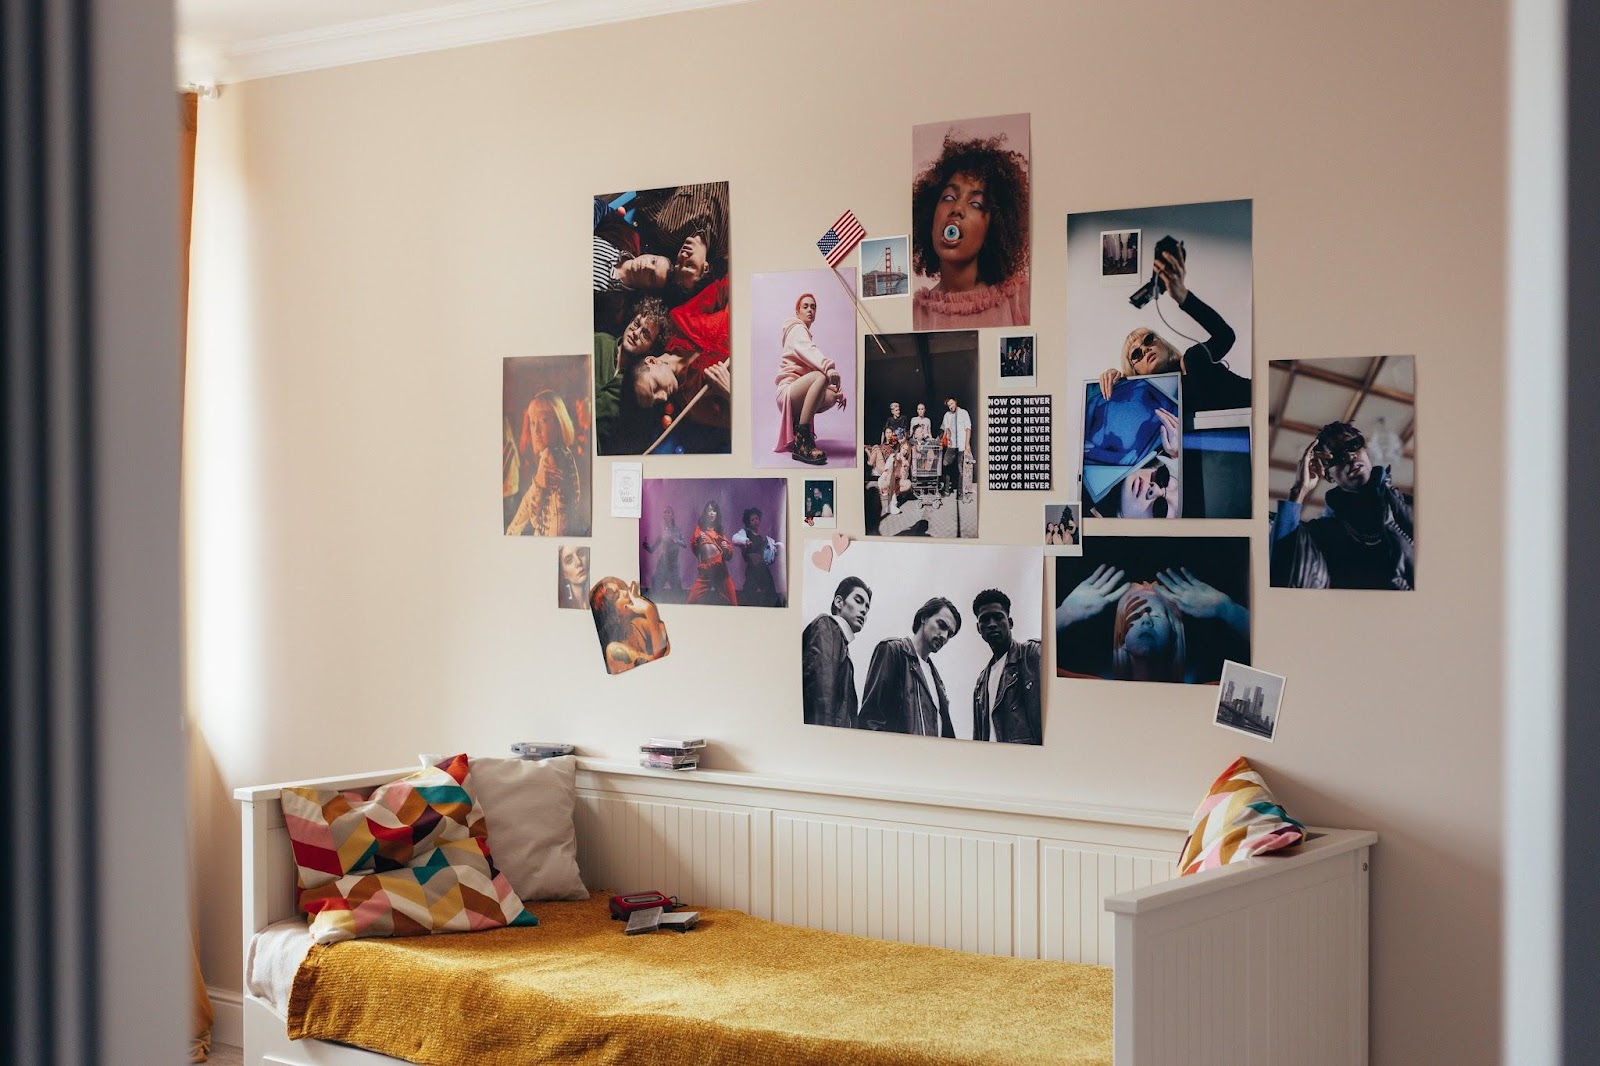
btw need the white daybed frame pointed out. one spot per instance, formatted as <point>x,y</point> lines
<point>1263,963</point>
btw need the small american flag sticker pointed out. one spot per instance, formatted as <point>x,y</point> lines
<point>841,237</point>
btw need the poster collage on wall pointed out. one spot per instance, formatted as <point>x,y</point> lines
<point>1152,404</point>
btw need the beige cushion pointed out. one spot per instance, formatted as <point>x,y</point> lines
<point>528,805</point>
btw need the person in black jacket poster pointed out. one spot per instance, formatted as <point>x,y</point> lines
<point>828,678</point>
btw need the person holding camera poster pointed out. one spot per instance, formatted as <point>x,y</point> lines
<point>1163,326</point>
<point>1208,384</point>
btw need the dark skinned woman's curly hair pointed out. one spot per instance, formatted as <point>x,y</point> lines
<point>1005,191</point>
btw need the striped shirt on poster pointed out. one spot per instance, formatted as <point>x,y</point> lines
<point>607,257</point>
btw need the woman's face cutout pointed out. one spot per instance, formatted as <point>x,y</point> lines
<point>575,565</point>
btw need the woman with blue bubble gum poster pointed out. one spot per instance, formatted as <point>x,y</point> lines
<point>970,224</point>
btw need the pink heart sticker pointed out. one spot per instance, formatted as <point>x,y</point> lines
<point>841,543</point>
<point>822,558</point>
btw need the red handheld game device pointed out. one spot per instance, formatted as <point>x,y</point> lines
<point>622,906</point>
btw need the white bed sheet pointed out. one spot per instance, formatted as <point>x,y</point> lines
<point>275,954</point>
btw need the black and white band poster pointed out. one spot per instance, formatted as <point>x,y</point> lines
<point>1019,442</point>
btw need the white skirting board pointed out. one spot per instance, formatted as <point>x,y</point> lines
<point>1261,963</point>
<point>227,1016</point>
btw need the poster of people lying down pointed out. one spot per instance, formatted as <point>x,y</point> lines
<point>662,309</point>
<point>1153,609</point>
<point>927,639</point>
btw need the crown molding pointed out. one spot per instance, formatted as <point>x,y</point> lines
<point>200,65</point>
<point>455,25</point>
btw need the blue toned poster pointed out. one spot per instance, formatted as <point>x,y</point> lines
<point>1123,433</point>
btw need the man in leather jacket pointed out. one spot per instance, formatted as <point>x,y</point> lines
<point>827,677</point>
<point>1005,701</point>
<point>1366,538</point>
<point>904,693</point>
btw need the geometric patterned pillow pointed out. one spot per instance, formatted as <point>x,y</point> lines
<point>411,857</point>
<point>1238,818</point>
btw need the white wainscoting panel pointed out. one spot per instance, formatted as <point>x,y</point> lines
<point>1074,882</point>
<point>949,875</point>
<point>1294,947</point>
<point>1301,943</point>
<point>697,852</point>
<point>922,887</point>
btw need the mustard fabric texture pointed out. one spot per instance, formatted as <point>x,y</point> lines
<point>735,990</point>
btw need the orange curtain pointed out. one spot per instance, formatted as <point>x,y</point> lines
<point>188,118</point>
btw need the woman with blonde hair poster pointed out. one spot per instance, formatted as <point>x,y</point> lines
<point>550,506</point>
<point>546,432</point>
<point>1208,383</point>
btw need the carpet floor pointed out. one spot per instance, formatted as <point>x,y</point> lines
<point>226,1055</point>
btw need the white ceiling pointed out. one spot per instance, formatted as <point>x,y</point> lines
<point>234,40</point>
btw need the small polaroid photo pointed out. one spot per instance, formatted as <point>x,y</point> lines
<point>1119,256</point>
<point>819,503</point>
<point>1063,529</point>
<point>1018,361</point>
<point>1248,700</point>
<point>885,267</point>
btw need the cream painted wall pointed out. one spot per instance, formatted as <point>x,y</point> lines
<point>390,231</point>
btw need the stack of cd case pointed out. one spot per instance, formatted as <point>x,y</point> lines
<point>671,753</point>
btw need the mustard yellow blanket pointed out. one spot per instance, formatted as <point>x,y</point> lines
<point>736,990</point>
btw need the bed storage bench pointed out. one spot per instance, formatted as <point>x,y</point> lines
<point>1260,963</point>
